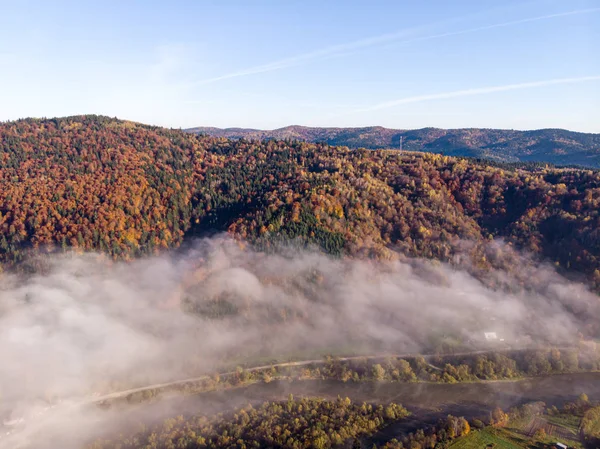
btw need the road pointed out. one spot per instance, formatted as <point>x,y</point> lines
<point>427,357</point>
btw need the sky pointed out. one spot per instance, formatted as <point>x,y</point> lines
<point>519,64</point>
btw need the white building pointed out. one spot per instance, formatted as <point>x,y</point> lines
<point>490,336</point>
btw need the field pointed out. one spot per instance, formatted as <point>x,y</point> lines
<point>571,422</point>
<point>521,434</point>
<point>557,428</point>
<point>487,437</point>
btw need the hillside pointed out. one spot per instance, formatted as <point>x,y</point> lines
<point>95,183</point>
<point>555,146</point>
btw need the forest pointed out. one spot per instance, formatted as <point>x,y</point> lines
<point>557,146</point>
<point>295,423</point>
<point>93,183</point>
<point>317,423</point>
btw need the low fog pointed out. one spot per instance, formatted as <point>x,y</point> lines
<point>88,325</point>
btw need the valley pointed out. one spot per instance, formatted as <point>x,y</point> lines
<point>417,268</point>
<point>139,262</point>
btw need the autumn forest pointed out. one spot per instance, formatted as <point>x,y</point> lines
<point>102,184</point>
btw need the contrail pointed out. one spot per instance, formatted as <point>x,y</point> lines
<point>311,56</point>
<point>478,91</point>
<point>340,49</point>
<point>500,25</point>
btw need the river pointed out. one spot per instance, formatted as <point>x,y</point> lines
<point>427,401</point>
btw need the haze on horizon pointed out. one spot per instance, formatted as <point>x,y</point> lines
<point>269,64</point>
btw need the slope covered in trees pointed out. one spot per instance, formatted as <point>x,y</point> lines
<point>556,146</point>
<point>96,183</point>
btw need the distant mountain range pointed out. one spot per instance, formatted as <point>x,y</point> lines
<point>555,146</point>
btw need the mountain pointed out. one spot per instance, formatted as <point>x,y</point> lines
<point>127,189</point>
<point>555,146</point>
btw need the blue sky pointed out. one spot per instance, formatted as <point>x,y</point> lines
<point>266,64</point>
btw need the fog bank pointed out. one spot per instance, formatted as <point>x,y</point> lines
<point>88,325</point>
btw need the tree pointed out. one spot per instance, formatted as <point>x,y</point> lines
<point>498,417</point>
<point>405,371</point>
<point>540,434</point>
<point>267,377</point>
<point>378,372</point>
<point>583,401</point>
<point>570,359</point>
<point>464,427</point>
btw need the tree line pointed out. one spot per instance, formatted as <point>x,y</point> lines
<point>442,369</point>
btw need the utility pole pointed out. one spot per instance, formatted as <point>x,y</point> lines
<point>401,138</point>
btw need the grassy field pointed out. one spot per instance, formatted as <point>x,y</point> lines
<point>515,435</point>
<point>482,438</point>
<point>561,428</point>
<point>570,422</point>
